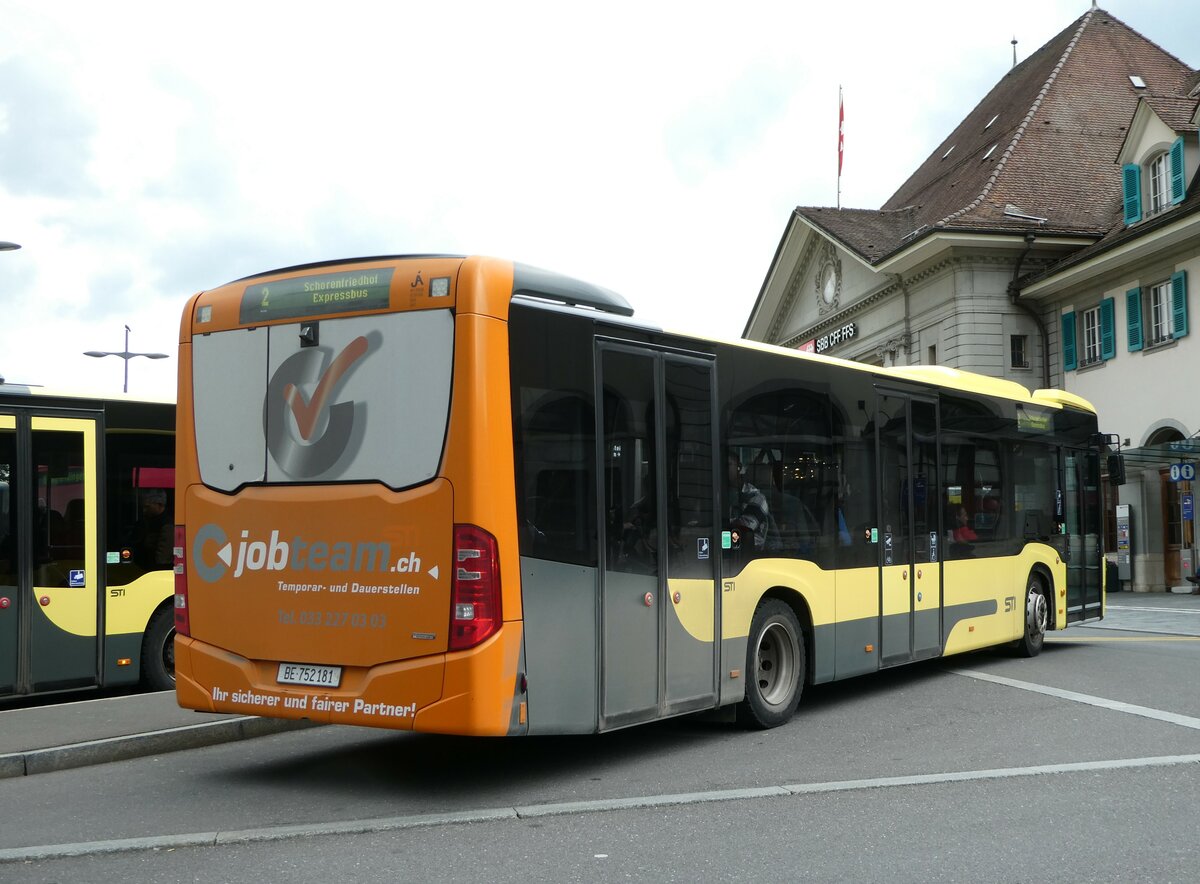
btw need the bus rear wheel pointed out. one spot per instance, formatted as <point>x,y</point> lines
<point>158,651</point>
<point>1037,618</point>
<point>775,666</point>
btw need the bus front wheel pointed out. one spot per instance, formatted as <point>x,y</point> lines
<point>1037,618</point>
<point>774,666</point>
<point>158,651</point>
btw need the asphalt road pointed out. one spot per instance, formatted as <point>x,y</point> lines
<point>1082,764</point>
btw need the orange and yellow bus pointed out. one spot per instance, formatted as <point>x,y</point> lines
<point>464,495</point>
<point>86,495</point>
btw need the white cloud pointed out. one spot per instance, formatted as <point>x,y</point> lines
<point>655,149</point>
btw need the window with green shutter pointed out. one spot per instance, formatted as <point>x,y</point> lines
<point>1068,341</point>
<point>1108,329</point>
<point>1133,318</point>
<point>1178,181</point>
<point>1131,178</point>
<point>1158,328</point>
<point>1179,318</point>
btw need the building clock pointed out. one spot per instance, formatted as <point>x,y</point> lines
<point>829,281</point>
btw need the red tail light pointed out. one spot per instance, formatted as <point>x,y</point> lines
<point>475,593</point>
<point>183,621</point>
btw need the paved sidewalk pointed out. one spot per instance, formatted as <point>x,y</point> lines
<point>1163,613</point>
<point>56,736</point>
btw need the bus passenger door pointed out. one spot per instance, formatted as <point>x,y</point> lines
<point>910,527</point>
<point>1082,519</point>
<point>658,596</point>
<point>691,594</point>
<point>49,576</point>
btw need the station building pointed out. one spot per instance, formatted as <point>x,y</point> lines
<point>1052,239</point>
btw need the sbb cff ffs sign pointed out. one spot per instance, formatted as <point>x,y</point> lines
<point>837,336</point>
<point>1183,472</point>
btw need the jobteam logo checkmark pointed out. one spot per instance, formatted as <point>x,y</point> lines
<point>308,412</point>
<point>308,436</point>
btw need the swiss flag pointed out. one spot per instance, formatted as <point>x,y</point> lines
<point>841,137</point>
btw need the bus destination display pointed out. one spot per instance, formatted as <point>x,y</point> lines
<point>320,293</point>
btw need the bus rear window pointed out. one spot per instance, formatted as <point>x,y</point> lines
<point>363,398</point>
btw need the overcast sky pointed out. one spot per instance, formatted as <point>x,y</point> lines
<point>151,150</point>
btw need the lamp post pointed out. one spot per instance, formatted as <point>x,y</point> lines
<point>126,355</point>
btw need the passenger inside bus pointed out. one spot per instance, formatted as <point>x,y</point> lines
<point>152,535</point>
<point>961,538</point>
<point>963,532</point>
<point>750,515</point>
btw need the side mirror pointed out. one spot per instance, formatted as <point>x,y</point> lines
<point>1116,469</point>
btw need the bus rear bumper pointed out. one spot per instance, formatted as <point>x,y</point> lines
<point>472,692</point>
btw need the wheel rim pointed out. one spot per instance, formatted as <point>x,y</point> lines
<point>1036,611</point>
<point>776,663</point>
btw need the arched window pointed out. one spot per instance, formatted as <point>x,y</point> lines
<point>1159,178</point>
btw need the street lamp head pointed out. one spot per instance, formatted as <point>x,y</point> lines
<point>125,356</point>
<point>9,246</point>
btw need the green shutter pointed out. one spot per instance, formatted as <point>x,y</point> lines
<point>1068,341</point>
<point>1178,181</point>
<point>1131,178</point>
<point>1108,329</point>
<point>1179,322</point>
<point>1133,318</point>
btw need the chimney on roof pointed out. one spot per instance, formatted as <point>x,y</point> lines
<point>1014,43</point>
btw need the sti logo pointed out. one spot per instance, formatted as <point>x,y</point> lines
<point>307,436</point>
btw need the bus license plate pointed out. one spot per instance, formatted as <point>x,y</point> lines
<point>315,676</point>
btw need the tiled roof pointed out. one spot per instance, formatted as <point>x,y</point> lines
<point>873,234</point>
<point>1043,141</point>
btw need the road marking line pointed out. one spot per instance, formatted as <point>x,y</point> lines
<point>384,824</point>
<point>997,773</point>
<point>1103,703</point>
<point>569,807</point>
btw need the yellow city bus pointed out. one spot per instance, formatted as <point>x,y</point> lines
<point>468,496</point>
<point>86,496</point>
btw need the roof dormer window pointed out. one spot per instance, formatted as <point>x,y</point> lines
<point>1138,82</point>
<point>1154,186</point>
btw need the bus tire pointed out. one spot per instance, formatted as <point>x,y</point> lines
<point>1037,618</point>
<point>775,666</point>
<point>158,651</point>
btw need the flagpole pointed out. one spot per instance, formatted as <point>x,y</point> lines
<point>841,123</point>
